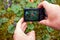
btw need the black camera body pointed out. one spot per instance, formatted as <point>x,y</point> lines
<point>34,14</point>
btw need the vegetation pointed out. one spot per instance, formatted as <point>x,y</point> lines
<point>12,10</point>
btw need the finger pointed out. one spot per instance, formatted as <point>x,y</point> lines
<point>44,4</point>
<point>25,28</point>
<point>31,35</point>
<point>45,22</point>
<point>21,20</point>
<point>46,18</point>
<point>24,25</point>
<point>19,23</point>
<point>18,29</point>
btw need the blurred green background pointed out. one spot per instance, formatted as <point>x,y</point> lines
<point>12,10</point>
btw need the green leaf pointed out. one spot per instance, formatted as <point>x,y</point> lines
<point>2,12</point>
<point>48,0</point>
<point>18,1</point>
<point>46,37</point>
<point>49,29</point>
<point>51,1</point>
<point>34,5</point>
<point>29,5</point>
<point>27,0</point>
<point>22,2</point>
<point>38,1</point>
<point>20,13</point>
<point>16,18</point>
<point>11,29</point>
<point>30,26</point>
<point>9,9</point>
<point>3,20</point>
<point>15,8</point>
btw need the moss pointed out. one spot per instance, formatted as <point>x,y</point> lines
<point>39,28</point>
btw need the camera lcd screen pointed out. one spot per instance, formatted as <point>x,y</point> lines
<point>34,14</point>
<point>31,15</point>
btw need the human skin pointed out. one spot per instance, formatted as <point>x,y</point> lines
<point>53,21</point>
<point>19,31</point>
<point>53,13</point>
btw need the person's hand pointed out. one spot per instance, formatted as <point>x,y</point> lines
<point>53,13</point>
<point>19,32</point>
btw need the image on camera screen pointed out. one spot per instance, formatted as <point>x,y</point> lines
<point>31,15</point>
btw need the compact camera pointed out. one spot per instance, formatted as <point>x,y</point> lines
<point>34,14</point>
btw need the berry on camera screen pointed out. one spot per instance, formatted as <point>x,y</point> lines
<point>31,15</point>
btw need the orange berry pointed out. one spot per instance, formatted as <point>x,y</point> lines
<point>31,0</point>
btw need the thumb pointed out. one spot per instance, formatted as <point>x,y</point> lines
<point>45,22</point>
<point>31,35</point>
